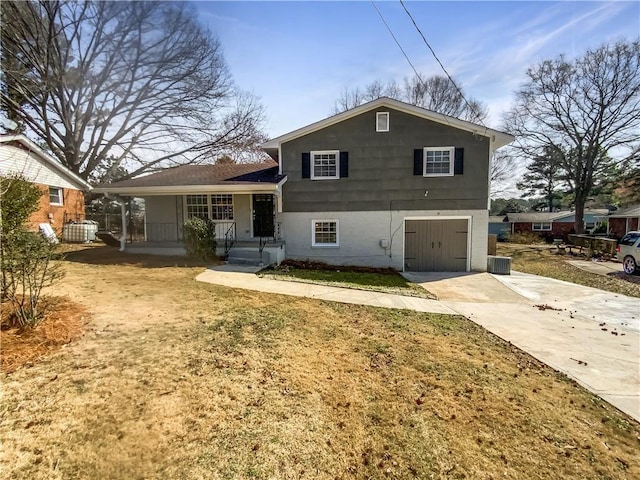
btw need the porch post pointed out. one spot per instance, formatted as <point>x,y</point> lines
<point>123,216</point>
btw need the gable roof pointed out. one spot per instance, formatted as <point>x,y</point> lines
<point>550,216</point>
<point>632,211</point>
<point>200,179</point>
<point>22,142</point>
<point>497,138</point>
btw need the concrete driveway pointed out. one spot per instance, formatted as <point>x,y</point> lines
<point>591,335</point>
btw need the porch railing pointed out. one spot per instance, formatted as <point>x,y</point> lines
<point>229,238</point>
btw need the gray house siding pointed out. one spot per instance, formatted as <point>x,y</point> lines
<point>380,175</point>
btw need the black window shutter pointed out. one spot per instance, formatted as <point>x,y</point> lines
<point>458,164</point>
<point>344,164</point>
<point>306,165</point>
<point>418,156</point>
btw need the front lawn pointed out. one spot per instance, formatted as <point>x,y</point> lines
<point>387,282</point>
<point>177,379</point>
<point>540,260</point>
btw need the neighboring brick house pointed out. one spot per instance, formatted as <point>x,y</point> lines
<point>62,190</point>
<point>623,221</point>
<point>385,184</point>
<point>553,224</point>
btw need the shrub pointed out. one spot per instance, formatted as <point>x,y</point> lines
<point>26,270</point>
<point>25,257</point>
<point>526,238</point>
<point>200,238</point>
<point>19,200</point>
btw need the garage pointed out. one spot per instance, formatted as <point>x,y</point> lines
<point>436,245</point>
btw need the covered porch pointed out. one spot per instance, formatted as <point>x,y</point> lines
<point>245,214</point>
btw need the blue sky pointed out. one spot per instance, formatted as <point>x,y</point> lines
<point>299,56</point>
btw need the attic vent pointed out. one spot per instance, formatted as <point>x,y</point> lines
<point>382,121</point>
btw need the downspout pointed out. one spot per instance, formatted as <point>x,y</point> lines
<point>123,216</point>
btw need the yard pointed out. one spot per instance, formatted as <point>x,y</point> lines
<point>540,260</point>
<point>178,379</point>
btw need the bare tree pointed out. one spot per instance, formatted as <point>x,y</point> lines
<point>439,94</point>
<point>353,97</point>
<point>503,165</point>
<point>435,93</point>
<point>112,84</point>
<point>581,109</point>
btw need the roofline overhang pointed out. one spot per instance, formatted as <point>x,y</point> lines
<point>191,189</point>
<point>497,138</point>
<point>33,148</point>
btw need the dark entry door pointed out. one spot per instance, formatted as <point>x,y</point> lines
<point>263,216</point>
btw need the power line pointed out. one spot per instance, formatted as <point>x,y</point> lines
<point>473,110</point>
<point>405,53</point>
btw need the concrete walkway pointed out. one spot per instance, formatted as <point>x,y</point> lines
<point>599,268</point>
<point>590,335</point>
<point>244,277</point>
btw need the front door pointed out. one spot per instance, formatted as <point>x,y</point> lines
<point>263,221</point>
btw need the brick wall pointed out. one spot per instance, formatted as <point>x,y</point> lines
<point>620,226</point>
<point>72,207</point>
<point>558,229</point>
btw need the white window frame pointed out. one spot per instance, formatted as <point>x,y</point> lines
<point>450,150</point>
<point>209,204</point>
<point>379,116</point>
<point>212,204</point>
<point>60,194</point>
<point>313,233</point>
<point>540,226</point>
<point>324,152</point>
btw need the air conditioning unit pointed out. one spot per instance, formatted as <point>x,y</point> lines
<point>499,265</point>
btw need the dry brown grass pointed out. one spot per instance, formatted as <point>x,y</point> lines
<point>178,379</point>
<point>540,260</point>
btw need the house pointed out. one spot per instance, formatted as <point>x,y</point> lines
<point>623,221</point>
<point>385,184</point>
<point>500,226</point>
<point>62,198</point>
<point>553,224</point>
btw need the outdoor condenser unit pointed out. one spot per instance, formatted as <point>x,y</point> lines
<point>499,265</point>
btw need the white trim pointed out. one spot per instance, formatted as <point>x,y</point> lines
<point>189,189</point>
<point>452,159</point>
<point>541,229</point>
<point>35,149</point>
<point>60,194</point>
<point>209,204</point>
<point>324,152</point>
<point>380,115</point>
<point>497,139</point>
<point>468,218</point>
<point>313,232</point>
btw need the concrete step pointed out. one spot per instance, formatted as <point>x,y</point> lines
<point>238,256</point>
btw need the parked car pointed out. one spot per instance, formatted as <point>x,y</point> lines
<point>629,252</point>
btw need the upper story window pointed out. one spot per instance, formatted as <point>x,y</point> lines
<point>382,121</point>
<point>55,196</point>
<point>324,164</point>
<point>215,207</point>
<point>438,161</point>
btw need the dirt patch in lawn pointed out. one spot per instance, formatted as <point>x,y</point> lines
<point>180,379</point>
<point>540,260</point>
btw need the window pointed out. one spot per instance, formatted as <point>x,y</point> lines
<point>325,233</point>
<point>55,196</point>
<point>629,239</point>
<point>222,207</point>
<point>215,207</point>
<point>324,164</point>
<point>541,226</point>
<point>382,121</point>
<point>438,161</point>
